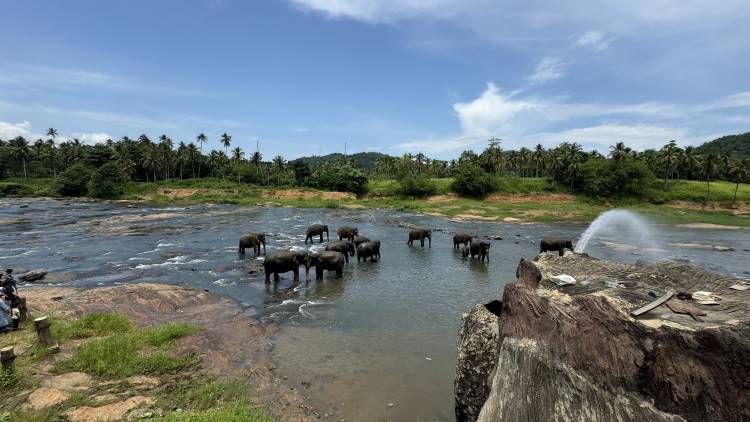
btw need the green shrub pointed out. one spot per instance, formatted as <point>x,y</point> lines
<point>15,190</point>
<point>340,177</point>
<point>73,181</point>
<point>472,181</point>
<point>602,178</point>
<point>108,181</point>
<point>416,185</point>
<point>91,325</point>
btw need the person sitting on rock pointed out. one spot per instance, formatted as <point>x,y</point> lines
<point>5,318</point>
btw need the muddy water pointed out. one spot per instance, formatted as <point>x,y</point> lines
<point>378,344</point>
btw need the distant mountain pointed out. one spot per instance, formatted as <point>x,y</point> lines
<point>736,145</point>
<point>366,160</point>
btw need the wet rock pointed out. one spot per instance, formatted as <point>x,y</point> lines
<point>109,412</point>
<point>34,275</point>
<point>477,357</point>
<point>45,397</point>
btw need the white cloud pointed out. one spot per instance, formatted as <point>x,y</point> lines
<point>548,69</point>
<point>601,137</point>
<point>13,130</point>
<point>595,40</point>
<point>438,146</point>
<point>89,138</point>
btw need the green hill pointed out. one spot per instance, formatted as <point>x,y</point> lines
<point>365,160</point>
<point>736,145</point>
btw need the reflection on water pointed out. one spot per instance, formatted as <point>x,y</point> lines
<point>384,333</point>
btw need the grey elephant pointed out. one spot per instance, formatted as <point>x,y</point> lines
<point>285,261</point>
<point>551,243</point>
<point>360,239</point>
<point>421,235</point>
<point>347,233</point>
<point>480,248</point>
<point>316,230</point>
<point>253,240</point>
<point>461,238</point>
<point>328,261</point>
<point>344,246</point>
<point>370,250</point>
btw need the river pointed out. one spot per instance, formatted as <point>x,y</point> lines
<point>378,344</point>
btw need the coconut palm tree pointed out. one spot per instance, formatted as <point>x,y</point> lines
<point>226,140</point>
<point>278,161</point>
<point>709,169</point>
<point>539,159</point>
<point>202,139</point>
<point>52,132</point>
<point>619,151</point>
<point>669,156</point>
<point>20,152</point>
<point>740,173</point>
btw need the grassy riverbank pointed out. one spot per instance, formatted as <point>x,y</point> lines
<point>515,199</point>
<point>111,368</point>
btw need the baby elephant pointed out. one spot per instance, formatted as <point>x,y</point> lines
<point>480,248</point>
<point>316,230</point>
<point>328,261</point>
<point>421,235</point>
<point>370,250</point>
<point>344,246</point>
<point>460,238</point>
<point>347,233</point>
<point>253,240</point>
<point>550,243</point>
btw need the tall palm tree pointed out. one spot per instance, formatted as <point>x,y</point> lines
<point>237,156</point>
<point>20,151</point>
<point>539,158</point>
<point>226,140</point>
<point>709,169</point>
<point>619,151</point>
<point>740,172</point>
<point>202,139</point>
<point>52,132</point>
<point>669,156</point>
<point>279,162</point>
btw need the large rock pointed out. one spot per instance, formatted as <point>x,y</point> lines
<point>477,356</point>
<point>45,397</point>
<point>109,412</point>
<point>576,353</point>
<point>33,275</point>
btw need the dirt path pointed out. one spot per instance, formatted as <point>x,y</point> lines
<point>232,341</point>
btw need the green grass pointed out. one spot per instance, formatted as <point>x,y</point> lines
<point>235,412</point>
<point>91,325</point>
<point>137,351</point>
<point>695,191</point>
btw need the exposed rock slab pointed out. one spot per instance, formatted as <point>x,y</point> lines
<point>34,275</point>
<point>45,397</point>
<point>575,353</point>
<point>71,381</point>
<point>109,412</point>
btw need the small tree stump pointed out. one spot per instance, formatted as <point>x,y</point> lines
<point>7,358</point>
<point>42,326</point>
<point>23,309</point>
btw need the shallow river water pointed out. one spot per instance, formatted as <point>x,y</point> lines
<point>378,344</point>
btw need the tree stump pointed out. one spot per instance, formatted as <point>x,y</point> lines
<point>7,358</point>
<point>42,326</point>
<point>23,309</point>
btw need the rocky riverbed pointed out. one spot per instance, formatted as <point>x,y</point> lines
<point>576,352</point>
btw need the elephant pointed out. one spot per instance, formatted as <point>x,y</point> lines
<point>551,243</point>
<point>253,240</point>
<point>360,239</point>
<point>370,250</point>
<point>480,248</point>
<point>420,234</point>
<point>315,230</point>
<point>328,261</point>
<point>344,246</point>
<point>283,262</point>
<point>347,233</point>
<point>460,238</point>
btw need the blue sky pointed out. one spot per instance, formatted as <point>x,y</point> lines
<point>395,76</point>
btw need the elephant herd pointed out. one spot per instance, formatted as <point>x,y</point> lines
<point>351,243</point>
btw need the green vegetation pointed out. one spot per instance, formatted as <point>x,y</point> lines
<point>416,185</point>
<point>626,178</point>
<point>111,347</point>
<point>107,181</point>
<point>73,181</point>
<point>732,145</point>
<point>473,182</point>
<point>127,353</point>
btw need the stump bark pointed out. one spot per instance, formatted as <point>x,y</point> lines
<point>42,326</point>
<point>7,358</point>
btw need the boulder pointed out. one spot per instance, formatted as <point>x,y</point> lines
<point>109,412</point>
<point>575,352</point>
<point>34,275</point>
<point>45,397</point>
<point>477,356</point>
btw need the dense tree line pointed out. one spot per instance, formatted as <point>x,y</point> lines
<point>622,171</point>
